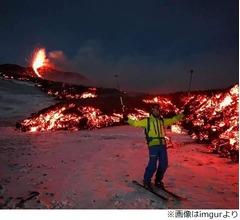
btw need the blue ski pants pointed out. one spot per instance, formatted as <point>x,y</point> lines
<point>156,154</point>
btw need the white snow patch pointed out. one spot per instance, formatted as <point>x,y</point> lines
<point>19,100</point>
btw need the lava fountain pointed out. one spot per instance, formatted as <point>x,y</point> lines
<point>39,60</point>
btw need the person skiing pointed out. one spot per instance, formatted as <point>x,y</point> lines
<point>155,136</point>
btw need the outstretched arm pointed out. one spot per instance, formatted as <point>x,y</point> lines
<point>138,123</point>
<point>170,121</point>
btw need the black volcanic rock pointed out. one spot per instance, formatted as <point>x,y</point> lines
<point>11,68</point>
<point>60,76</point>
<point>46,73</point>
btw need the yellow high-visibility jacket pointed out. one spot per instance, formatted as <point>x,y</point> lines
<point>156,132</point>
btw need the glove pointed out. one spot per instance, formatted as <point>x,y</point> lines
<point>125,117</point>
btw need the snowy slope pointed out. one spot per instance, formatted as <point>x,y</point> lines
<point>19,99</point>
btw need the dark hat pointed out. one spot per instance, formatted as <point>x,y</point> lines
<point>155,106</point>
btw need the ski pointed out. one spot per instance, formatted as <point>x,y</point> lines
<point>151,191</point>
<point>171,194</point>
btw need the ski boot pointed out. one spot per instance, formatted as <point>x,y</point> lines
<point>160,185</point>
<point>147,185</point>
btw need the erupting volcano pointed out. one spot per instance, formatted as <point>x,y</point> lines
<point>39,60</point>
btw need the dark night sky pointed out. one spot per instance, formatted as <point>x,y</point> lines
<point>151,44</point>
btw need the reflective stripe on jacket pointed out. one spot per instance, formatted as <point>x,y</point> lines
<point>156,131</point>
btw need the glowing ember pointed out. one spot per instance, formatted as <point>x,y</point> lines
<point>69,117</point>
<point>39,61</point>
<point>88,95</point>
<point>217,122</point>
<point>139,115</point>
<point>165,103</point>
<point>227,101</point>
<point>176,129</point>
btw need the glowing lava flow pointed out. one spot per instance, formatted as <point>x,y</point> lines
<point>39,60</point>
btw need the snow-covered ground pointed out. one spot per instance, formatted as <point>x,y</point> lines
<point>95,169</point>
<point>19,99</point>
